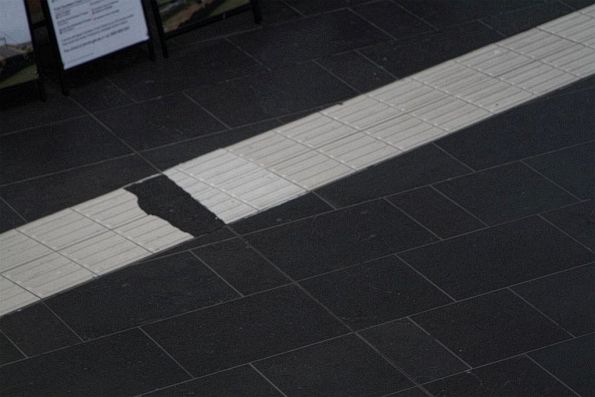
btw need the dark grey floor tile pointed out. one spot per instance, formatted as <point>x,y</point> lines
<point>518,21</point>
<point>357,71</point>
<point>8,218</point>
<point>567,298</point>
<point>245,330</point>
<point>301,207</point>
<point>55,148</point>
<point>73,187</point>
<point>317,6</point>
<point>167,156</point>
<point>273,12</point>
<point>436,212</point>
<point>219,235</point>
<point>161,121</point>
<point>497,257</point>
<point>36,330</point>
<point>414,392</point>
<point>204,63</point>
<point>405,57</point>
<point>452,12</point>
<point>573,362</point>
<point>527,130</point>
<point>577,220</point>
<point>338,239</point>
<point>274,94</point>
<point>392,19</point>
<point>140,294</point>
<point>8,351</point>
<point>341,367</point>
<point>238,382</point>
<point>14,107</point>
<point>514,377</point>
<point>125,364</point>
<point>299,41</point>
<point>490,327</point>
<point>98,94</point>
<point>505,193</point>
<point>571,168</point>
<point>414,351</point>
<point>578,3</point>
<point>375,292</point>
<point>241,266</point>
<point>417,168</point>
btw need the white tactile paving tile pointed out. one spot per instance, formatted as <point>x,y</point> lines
<point>315,130</point>
<point>62,229</point>
<point>48,275</point>
<point>111,231</point>
<point>105,252</point>
<point>18,249</point>
<point>13,297</point>
<point>405,132</point>
<point>362,112</point>
<point>113,209</point>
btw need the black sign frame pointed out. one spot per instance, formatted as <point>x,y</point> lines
<point>253,6</point>
<point>62,73</point>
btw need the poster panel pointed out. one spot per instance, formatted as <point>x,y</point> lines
<point>17,60</point>
<point>89,29</point>
<point>177,14</point>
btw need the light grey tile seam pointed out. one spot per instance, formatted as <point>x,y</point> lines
<point>542,313</point>
<point>551,374</point>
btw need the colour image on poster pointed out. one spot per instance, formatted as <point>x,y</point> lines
<point>17,61</point>
<point>89,29</point>
<point>176,14</point>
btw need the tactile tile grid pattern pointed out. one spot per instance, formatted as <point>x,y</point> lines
<point>74,245</point>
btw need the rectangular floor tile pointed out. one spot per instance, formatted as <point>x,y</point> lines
<point>239,382</point>
<point>298,208</point>
<point>514,377</point>
<point>422,166</point>
<point>576,220</point>
<point>405,132</point>
<point>490,328</point>
<point>406,57</point>
<point>164,120</point>
<point>357,71</point>
<point>245,330</point>
<point>303,37</point>
<point>36,330</point>
<point>339,239</point>
<point>571,168</point>
<point>375,292</point>
<point>572,362</point>
<point>140,294</point>
<point>414,351</point>
<point>91,369</point>
<point>18,249</point>
<point>567,298</point>
<point>8,351</point>
<point>280,92</point>
<point>241,266</point>
<point>9,219</point>
<point>56,148</point>
<point>73,187</point>
<point>505,193</point>
<point>343,366</point>
<point>191,66</point>
<point>497,257</point>
<point>527,130</point>
<point>392,19</point>
<point>436,212</point>
<point>517,21</point>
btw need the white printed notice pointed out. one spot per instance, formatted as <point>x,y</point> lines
<point>88,29</point>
